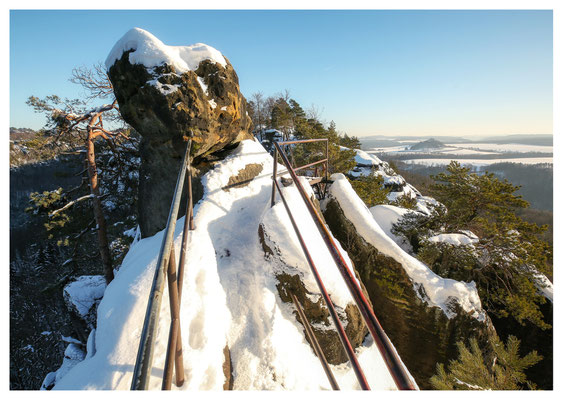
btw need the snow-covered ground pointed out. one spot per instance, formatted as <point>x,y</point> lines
<point>480,162</point>
<point>229,297</point>
<point>448,153</point>
<point>506,147</point>
<point>466,148</point>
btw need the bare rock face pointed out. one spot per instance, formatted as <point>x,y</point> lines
<point>166,92</point>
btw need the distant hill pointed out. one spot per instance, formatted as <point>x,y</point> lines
<point>372,141</point>
<point>427,145</point>
<point>21,133</point>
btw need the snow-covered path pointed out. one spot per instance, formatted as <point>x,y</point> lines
<point>240,265</point>
<point>267,345</point>
<point>229,298</point>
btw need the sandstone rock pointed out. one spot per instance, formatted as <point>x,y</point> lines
<point>244,176</point>
<point>290,281</point>
<point>423,335</point>
<point>166,92</point>
<point>228,369</point>
<point>82,297</point>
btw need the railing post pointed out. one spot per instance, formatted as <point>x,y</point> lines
<point>274,175</point>
<point>143,362</point>
<point>173,352</point>
<point>326,171</point>
<point>314,342</point>
<point>190,196</point>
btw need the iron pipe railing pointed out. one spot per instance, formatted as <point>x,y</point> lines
<point>315,343</point>
<point>332,311</point>
<point>175,334</point>
<point>392,360</point>
<point>322,161</point>
<point>166,265</point>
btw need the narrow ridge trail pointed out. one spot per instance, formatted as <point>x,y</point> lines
<point>267,344</point>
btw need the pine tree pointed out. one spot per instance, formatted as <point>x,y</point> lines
<point>509,254</point>
<point>501,369</point>
<point>370,189</point>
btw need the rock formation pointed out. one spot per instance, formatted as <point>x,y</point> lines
<point>422,333</point>
<point>166,92</point>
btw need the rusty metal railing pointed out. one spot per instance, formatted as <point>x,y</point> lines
<point>392,360</point>
<point>314,342</point>
<point>166,266</point>
<point>323,161</point>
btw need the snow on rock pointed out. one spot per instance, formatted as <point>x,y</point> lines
<point>203,85</point>
<point>281,232</point>
<point>72,357</point>
<point>439,291</point>
<point>151,52</point>
<point>545,286</point>
<point>455,239</point>
<point>84,292</point>
<point>121,314</point>
<point>165,89</point>
<point>364,159</point>
<point>229,297</point>
<point>386,215</point>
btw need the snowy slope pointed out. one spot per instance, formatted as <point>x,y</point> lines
<point>386,215</point>
<point>229,297</point>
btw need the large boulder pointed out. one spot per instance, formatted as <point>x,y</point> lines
<point>166,92</point>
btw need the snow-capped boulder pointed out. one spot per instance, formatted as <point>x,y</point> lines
<point>83,295</point>
<point>423,314</point>
<point>165,92</point>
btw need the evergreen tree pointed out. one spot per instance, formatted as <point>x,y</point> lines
<point>509,254</point>
<point>370,189</point>
<point>501,368</point>
<point>352,142</point>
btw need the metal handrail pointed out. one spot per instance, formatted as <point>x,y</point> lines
<point>332,311</point>
<point>314,342</point>
<point>166,265</point>
<point>392,360</point>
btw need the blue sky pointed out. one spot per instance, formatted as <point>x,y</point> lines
<point>372,72</point>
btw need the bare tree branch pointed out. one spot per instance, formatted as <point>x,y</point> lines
<point>70,204</point>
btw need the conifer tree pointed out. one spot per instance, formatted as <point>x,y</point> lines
<point>507,258</point>
<point>499,368</point>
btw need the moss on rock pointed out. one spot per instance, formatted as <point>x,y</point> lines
<point>423,335</point>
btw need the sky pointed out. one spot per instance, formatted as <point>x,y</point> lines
<point>372,72</point>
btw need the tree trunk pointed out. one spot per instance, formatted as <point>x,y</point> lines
<point>98,215</point>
